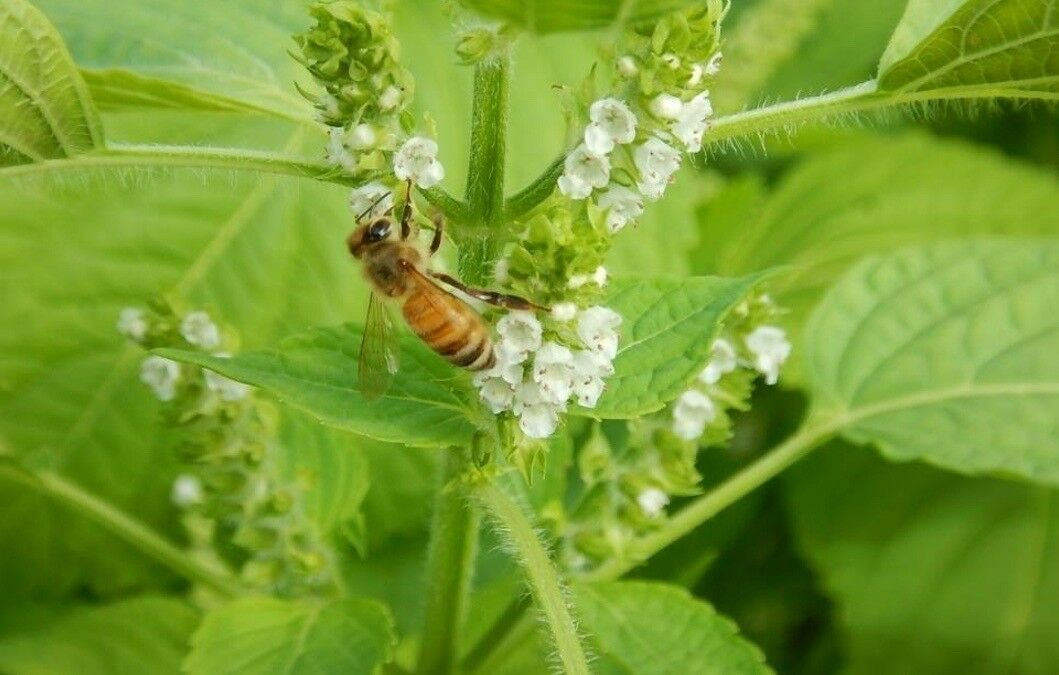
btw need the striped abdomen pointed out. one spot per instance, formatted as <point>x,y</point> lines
<point>450,327</point>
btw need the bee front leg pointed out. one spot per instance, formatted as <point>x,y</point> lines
<point>492,297</point>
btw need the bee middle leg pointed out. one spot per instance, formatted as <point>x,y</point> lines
<point>491,297</point>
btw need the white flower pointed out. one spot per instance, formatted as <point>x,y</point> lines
<point>599,276</point>
<point>553,371</point>
<point>330,106</point>
<point>227,389</point>
<point>770,348</point>
<point>537,418</point>
<point>497,394</point>
<point>374,196</point>
<point>132,323</point>
<point>652,501</point>
<point>590,369</point>
<point>520,331</point>
<point>627,67</point>
<point>693,411</point>
<point>612,122</point>
<point>501,271</point>
<point>337,152</point>
<point>363,136</point>
<point>623,206</point>
<point>722,361</point>
<point>199,330</point>
<point>598,329</point>
<point>696,75</point>
<point>665,106</point>
<point>564,311</point>
<point>657,162</point>
<point>187,490</point>
<point>508,365</point>
<point>693,122</point>
<point>389,98</point>
<point>418,160</point>
<point>713,66</point>
<point>583,171</point>
<point>161,375</point>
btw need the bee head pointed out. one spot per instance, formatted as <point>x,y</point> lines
<point>369,234</point>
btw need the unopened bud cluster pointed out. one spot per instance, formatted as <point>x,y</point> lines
<point>231,490</point>
<point>660,109</point>
<point>627,488</point>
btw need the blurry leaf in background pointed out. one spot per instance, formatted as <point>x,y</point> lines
<point>868,196</point>
<point>650,628</point>
<point>234,52</point>
<point>124,637</point>
<point>45,111</point>
<point>265,635</point>
<point>316,372</point>
<point>667,331</point>
<point>1003,47</point>
<point>546,16</point>
<point>946,354</point>
<point>932,572</point>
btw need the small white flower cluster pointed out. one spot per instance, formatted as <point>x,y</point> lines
<point>344,146</point>
<point>670,121</point>
<point>536,378</point>
<point>163,375</point>
<point>694,410</point>
<point>417,160</point>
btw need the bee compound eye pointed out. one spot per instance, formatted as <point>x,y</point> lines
<point>378,230</point>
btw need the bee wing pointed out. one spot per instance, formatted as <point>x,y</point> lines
<point>378,351</point>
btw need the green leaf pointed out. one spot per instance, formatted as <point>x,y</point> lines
<point>316,372</point>
<point>119,638</point>
<point>117,89</point>
<point>648,628</point>
<point>869,196</point>
<point>266,636</point>
<point>668,327</point>
<point>228,53</point>
<point>548,16</point>
<point>931,572</point>
<point>45,110</point>
<point>994,48</point>
<point>946,354</point>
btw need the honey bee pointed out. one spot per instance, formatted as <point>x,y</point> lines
<point>397,269</point>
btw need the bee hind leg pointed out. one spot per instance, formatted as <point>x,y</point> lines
<point>491,297</point>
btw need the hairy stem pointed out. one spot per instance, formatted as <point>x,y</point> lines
<point>543,577</point>
<point>536,192</point>
<point>450,564</point>
<point>127,528</point>
<point>484,195</point>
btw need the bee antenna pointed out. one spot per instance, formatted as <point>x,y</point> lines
<point>375,203</point>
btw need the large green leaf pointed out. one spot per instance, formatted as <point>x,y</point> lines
<point>647,628</point>
<point>316,372</point>
<point>45,110</point>
<point>669,325</point>
<point>120,638</point>
<point>547,16</point>
<point>231,54</point>
<point>946,354</point>
<point>993,48</point>
<point>932,573</point>
<point>265,636</point>
<point>869,196</point>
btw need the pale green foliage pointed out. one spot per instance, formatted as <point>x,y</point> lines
<point>932,573</point>
<point>1002,48</point>
<point>317,372</point>
<point>118,638</point>
<point>547,16</point>
<point>669,326</point>
<point>265,635</point>
<point>45,111</point>
<point>650,628</point>
<point>946,354</point>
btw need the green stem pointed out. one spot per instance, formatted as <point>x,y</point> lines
<point>542,575</point>
<point>496,633</point>
<point>450,563</point>
<point>484,197</point>
<point>127,528</point>
<point>716,500</point>
<point>536,192</point>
